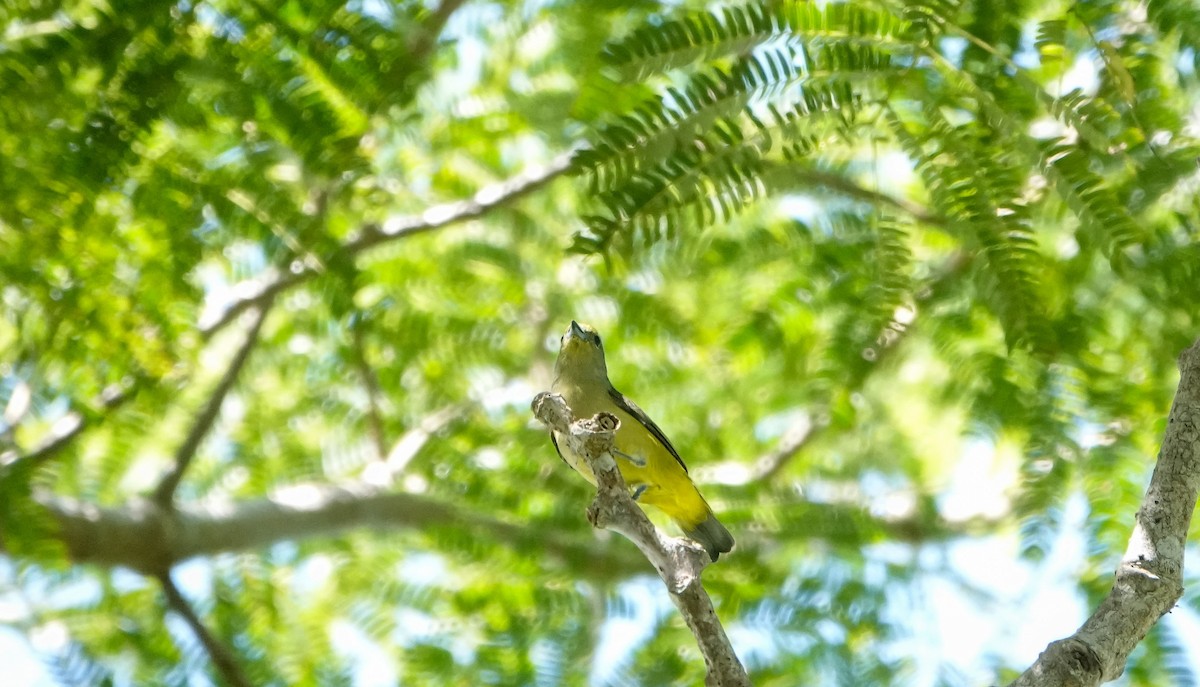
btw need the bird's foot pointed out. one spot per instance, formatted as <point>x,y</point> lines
<point>638,461</point>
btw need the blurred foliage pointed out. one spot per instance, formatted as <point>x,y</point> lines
<point>953,240</point>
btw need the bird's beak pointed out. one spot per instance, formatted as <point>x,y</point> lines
<point>575,330</point>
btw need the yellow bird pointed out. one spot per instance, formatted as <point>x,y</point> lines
<point>649,463</point>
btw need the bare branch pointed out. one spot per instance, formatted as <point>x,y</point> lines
<point>407,447</point>
<point>441,215</point>
<point>69,427</point>
<point>257,292</point>
<point>1149,579</point>
<point>797,436</point>
<point>221,656</point>
<point>679,562</point>
<point>164,494</point>
<point>429,32</point>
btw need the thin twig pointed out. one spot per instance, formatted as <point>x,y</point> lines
<point>837,182</point>
<point>679,562</point>
<point>257,292</point>
<point>736,472</point>
<point>220,654</point>
<point>69,427</point>
<point>371,383</point>
<point>798,435</point>
<point>164,494</point>
<point>408,445</point>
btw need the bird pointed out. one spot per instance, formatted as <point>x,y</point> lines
<point>651,466</point>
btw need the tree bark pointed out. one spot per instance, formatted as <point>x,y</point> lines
<point>1149,579</point>
<point>149,538</point>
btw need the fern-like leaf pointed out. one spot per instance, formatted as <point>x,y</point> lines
<point>930,17</point>
<point>1093,119</point>
<point>986,203</point>
<point>721,173</point>
<point>1065,164</point>
<point>1051,40</point>
<point>692,38</point>
<point>660,128</point>
<point>706,36</point>
<point>1105,219</point>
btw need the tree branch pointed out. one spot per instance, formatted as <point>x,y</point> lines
<point>68,428</point>
<point>734,472</point>
<point>679,562</point>
<point>797,436</point>
<point>144,537</point>
<point>164,494</point>
<point>257,292</point>
<point>221,656</point>
<point>148,538</point>
<point>410,443</point>
<point>1149,579</point>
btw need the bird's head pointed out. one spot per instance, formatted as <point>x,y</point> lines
<point>582,354</point>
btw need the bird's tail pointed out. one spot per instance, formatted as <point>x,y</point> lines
<point>710,534</point>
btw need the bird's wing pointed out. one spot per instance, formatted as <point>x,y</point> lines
<point>640,415</point>
<point>558,450</point>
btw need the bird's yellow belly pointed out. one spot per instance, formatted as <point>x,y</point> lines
<point>647,466</point>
